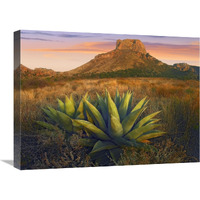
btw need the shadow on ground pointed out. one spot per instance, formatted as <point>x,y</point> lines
<point>10,162</point>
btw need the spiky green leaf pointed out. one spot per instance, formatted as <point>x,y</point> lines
<point>50,115</point>
<point>124,106</point>
<point>47,125</point>
<point>116,127</point>
<point>72,100</point>
<point>103,107</point>
<point>112,109</point>
<point>65,121</point>
<point>102,145</point>
<point>61,105</point>
<point>89,118</point>
<point>96,116</point>
<point>151,121</point>
<point>130,104</point>
<point>146,119</point>
<point>115,154</point>
<point>96,131</point>
<point>130,120</point>
<point>80,111</point>
<point>87,142</point>
<point>124,142</point>
<point>150,135</point>
<point>140,104</point>
<point>135,133</point>
<point>117,98</point>
<point>69,107</point>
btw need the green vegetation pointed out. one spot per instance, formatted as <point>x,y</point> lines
<point>164,71</point>
<point>150,70</point>
<point>114,125</point>
<point>63,118</point>
<point>46,148</point>
<point>108,127</point>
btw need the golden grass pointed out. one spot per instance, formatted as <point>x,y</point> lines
<point>178,100</point>
<point>158,90</point>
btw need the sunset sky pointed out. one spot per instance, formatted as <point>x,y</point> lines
<point>63,51</point>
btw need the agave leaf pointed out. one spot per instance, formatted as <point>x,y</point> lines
<point>61,105</point>
<point>115,154</point>
<point>103,107</point>
<point>146,119</point>
<point>72,100</point>
<point>112,109</point>
<point>124,106</point>
<point>150,135</point>
<point>123,142</point>
<point>91,127</point>
<point>87,142</point>
<point>80,111</point>
<point>65,122</point>
<point>75,124</point>
<point>88,117</point>
<point>47,125</point>
<point>116,127</point>
<point>88,132</point>
<point>97,115</point>
<point>135,133</point>
<point>102,145</point>
<point>117,98</point>
<point>151,121</point>
<point>50,115</point>
<point>130,120</point>
<point>123,95</point>
<point>69,107</point>
<point>52,110</point>
<point>130,104</point>
<point>140,104</point>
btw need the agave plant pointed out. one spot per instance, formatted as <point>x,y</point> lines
<point>63,118</point>
<point>115,124</point>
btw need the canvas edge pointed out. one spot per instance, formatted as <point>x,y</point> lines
<point>17,118</point>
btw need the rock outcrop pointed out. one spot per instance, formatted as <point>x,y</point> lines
<point>129,53</point>
<point>133,45</point>
<point>183,67</point>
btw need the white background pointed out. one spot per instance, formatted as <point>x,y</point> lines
<point>155,17</point>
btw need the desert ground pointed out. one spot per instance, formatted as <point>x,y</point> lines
<point>178,101</point>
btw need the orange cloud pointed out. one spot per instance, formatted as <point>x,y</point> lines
<point>86,47</point>
<point>49,55</point>
<point>174,52</point>
<point>195,43</point>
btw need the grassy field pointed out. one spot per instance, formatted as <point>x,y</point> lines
<point>177,99</point>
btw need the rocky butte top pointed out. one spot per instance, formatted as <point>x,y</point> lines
<point>128,44</point>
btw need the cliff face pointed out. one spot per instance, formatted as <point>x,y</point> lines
<point>25,72</point>
<point>133,45</point>
<point>183,67</point>
<point>127,54</point>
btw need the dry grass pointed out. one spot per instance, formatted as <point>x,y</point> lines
<point>178,100</point>
<point>167,152</point>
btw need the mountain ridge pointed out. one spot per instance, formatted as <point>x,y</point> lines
<point>128,59</point>
<point>127,54</point>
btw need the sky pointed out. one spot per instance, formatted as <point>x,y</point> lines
<point>63,51</point>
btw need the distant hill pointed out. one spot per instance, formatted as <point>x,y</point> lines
<point>38,72</point>
<point>128,54</point>
<point>128,59</point>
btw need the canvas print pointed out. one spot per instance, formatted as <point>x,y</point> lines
<point>91,99</point>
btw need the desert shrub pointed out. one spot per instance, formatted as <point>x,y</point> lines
<point>180,114</point>
<point>167,152</point>
<point>181,117</point>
